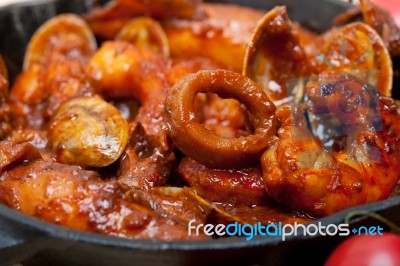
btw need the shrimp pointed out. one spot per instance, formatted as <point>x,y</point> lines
<point>221,36</point>
<point>300,173</point>
<point>137,74</point>
<point>194,29</point>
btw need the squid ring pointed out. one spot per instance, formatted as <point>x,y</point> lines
<point>202,145</point>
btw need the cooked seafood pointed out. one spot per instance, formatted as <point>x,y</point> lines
<point>4,106</point>
<point>212,150</point>
<point>139,74</point>
<point>383,23</point>
<point>270,64</point>
<point>299,172</point>
<point>145,32</point>
<point>198,112</point>
<point>368,59</point>
<point>67,195</point>
<point>54,70</point>
<point>99,145</point>
<point>380,20</point>
<point>221,36</point>
<point>108,21</point>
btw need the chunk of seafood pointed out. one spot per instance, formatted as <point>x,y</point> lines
<point>357,49</point>
<point>300,173</point>
<point>244,186</point>
<point>145,163</point>
<point>66,34</point>
<point>137,74</point>
<point>211,150</point>
<point>11,153</point>
<point>235,195</point>
<point>274,55</point>
<point>88,131</point>
<point>108,21</point>
<point>5,127</point>
<point>54,68</point>
<point>176,202</point>
<point>121,70</point>
<point>222,36</point>
<point>79,199</point>
<point>381,21</point>
<point>145,32</point>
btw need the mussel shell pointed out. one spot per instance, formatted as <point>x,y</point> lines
<point>89,132</point>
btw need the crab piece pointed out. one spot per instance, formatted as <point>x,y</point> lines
<point>274,55</point>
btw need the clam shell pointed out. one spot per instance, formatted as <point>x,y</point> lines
<point>89,132</point>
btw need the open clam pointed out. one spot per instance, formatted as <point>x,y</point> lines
<point>54,69</point>
<point>89,132</point>
<point>145,32</point>
<point>62,33</point>
<point>359,50</point>
<point>381,21</point>
<point>274,55</point>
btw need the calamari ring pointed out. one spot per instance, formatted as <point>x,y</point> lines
<point>201,144</point>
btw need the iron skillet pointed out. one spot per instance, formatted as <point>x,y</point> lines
<point>30,241</point>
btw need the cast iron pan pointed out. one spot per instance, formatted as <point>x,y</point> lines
<point>30,241</point>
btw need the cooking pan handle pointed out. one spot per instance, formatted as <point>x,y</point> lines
<point>19,241</point>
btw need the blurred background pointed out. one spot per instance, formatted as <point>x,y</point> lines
<point>393,6</point>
